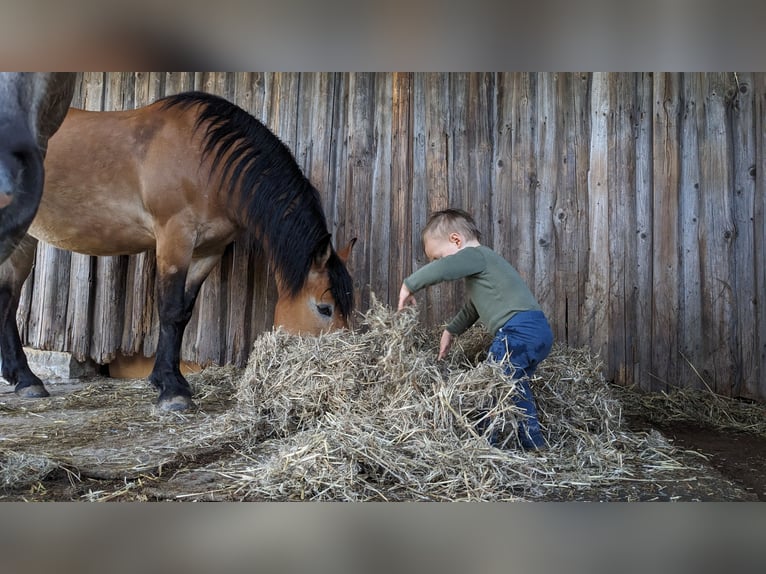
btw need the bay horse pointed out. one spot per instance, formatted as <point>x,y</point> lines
<point>32,106</point>
<point>184,176</point>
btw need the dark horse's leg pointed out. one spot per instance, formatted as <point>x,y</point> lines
<point>177,293</point>
<point>13,272</point>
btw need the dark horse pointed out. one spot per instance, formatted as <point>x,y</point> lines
<point>32,106</point>
<point>185,175</point>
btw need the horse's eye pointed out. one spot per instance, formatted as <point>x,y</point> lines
<point>325,309</point>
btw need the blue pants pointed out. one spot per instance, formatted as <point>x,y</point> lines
<point>525,340</point>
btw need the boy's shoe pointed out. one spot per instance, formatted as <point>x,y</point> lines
<point>530,436</point>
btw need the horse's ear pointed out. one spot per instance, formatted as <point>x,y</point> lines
<point>320,261</point>
<point>345,253</point>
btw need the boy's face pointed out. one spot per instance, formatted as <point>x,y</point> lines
<point>437,247</point>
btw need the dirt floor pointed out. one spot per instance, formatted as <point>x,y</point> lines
<point>717,465</point>
<point>740,457</point>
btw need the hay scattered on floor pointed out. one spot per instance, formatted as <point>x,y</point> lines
<point>21,470</point>
<point>697,406</point>
<point>371,415</point>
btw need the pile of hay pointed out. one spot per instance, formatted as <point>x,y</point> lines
<point>372,415</point>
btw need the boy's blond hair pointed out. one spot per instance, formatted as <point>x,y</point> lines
<point>442,223</point>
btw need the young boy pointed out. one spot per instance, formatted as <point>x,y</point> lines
<point>496,294</point>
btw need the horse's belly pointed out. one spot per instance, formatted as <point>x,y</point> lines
<point>92,235</point>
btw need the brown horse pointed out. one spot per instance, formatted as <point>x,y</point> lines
<point>32,106</point>
<point>185,176</point>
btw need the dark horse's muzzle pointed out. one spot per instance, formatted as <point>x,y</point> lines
<point>21,182</point>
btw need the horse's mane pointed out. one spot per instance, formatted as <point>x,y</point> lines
<point>278,204</point>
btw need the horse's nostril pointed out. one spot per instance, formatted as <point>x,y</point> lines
<point>325,310</point>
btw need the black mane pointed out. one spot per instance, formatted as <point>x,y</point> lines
<point>278,204</point>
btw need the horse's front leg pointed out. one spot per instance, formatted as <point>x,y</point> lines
<point>15,370</point>
<point>178,290</point>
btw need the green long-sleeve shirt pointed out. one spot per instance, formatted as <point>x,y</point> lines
<point>495,290</point>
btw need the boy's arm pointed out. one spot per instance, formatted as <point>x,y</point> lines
<point>465,262</point>
<point>466,317</point>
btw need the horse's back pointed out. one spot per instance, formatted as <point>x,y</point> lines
<point>114,177</point>
<point>95,182</point>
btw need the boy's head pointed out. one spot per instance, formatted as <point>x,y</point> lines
<point>446,231</point>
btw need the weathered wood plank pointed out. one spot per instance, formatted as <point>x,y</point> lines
<point>380,239</point>
<point>642,348</point>
<point>547,159</point>
<point>742,110</point>
<point>717,239</point>
<point>690,296</point>
<point>358,182</point>
<point>594,320</point>
<point>400,260</point>
<point>665,175</point>
<point>759,235</point>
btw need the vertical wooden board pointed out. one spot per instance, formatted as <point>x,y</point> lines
<point>93,92</point>
<point>690,297</point>
<point>642,349</point>
<point>139,330</point>
<point>571,89</point>
<point>665,231</point>
<point>283,106</point>
<point>547,157</point>
<point>359,177</point>
<point>379,210</point>
<point>459,135</point>
<point>219,83</point>
<point>108,305</point>
<point>716,242</point>
<point>177,82</point>
<point>759,233</point>
<point>324,167</point>
<point>237,292</point>
<point>744,337</point>
<point>594,323</point>
<point>518,242</point>
<point>26,302</point>
<point>310,135</point>
<point>437,302</point>
<point>149,87</point>
<point>621,226</point>
<point>47,322</point>
<point>419,211</point>
<point>337,209</point>
<point>78,325</point>
<point>481,121</point>
<point>504,166</point>
<point>400,246</point>
<point>203,341</point>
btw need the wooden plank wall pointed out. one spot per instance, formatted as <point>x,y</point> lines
<point>633,204</point>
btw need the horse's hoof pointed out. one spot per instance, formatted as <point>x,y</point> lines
<point>176,403</point>
<point>32,392</point>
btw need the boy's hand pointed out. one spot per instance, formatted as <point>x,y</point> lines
<point>445,344</point>
<point>405,298</point>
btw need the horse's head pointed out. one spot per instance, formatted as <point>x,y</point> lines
<point>32,106</point>
<point>325,301</point>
